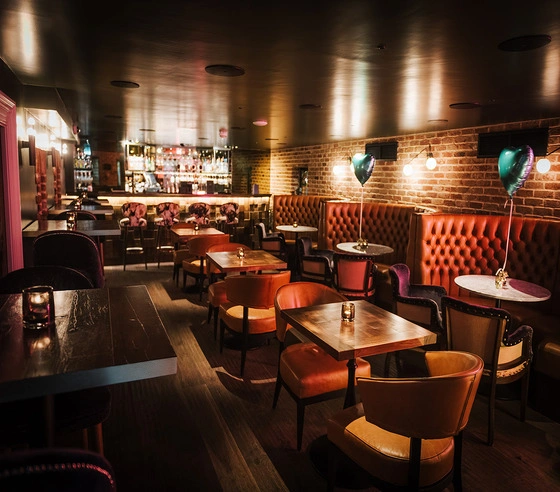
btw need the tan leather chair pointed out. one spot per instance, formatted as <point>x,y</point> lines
<point>407,433</point>
<point>249,313</point>
<point>354,275</point>
<point>488,332</point>
<point>195,266</point>
<point>217,288</point>
<point>308,373</point>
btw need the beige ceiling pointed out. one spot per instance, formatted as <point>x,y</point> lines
<point>367,68</point>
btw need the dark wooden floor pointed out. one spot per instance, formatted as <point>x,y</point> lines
<point>207,429</point>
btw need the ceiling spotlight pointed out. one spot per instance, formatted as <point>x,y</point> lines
<point>225,70</point>
<point>310,106</point>
<point>124,84</point>
<point>260,122</point>
<point>465,105</point>
<point>525,43</point>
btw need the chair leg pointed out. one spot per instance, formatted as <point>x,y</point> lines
<point>215,323</point>
<point>277,390</point>
<point>210,311</point>
<point>143,247</point>
<point>245,338</point>
<point>458,463</point>
<point>524,394</point>
<point>158,244</point>
<point>491,413</point>
<point>300,418</point>
<point>125,240</point>
<point>222,333</point>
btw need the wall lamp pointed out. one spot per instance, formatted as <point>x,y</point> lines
<point>543,165</point>
<point>431,162</point>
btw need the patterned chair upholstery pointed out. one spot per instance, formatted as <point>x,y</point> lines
<point>229,210</point>
<point>167,215</point>
<point>199,212</point>
<point>133,225</point>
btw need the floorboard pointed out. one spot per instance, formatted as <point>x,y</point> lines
<point>207,429</point>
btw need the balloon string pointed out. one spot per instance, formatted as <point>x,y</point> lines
<point>361,208</point>
<point>509,229</point>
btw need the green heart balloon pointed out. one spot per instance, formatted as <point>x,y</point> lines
<point>363,166</point>
<point>514,166</point>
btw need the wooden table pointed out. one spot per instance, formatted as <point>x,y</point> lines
<point>513,290</point>
<point>94,228</point>
<point>373,331</point>
<point>254,260</point>
<point>101,337</point>
<point>105,210</point>
<point>371,249</point>
<point>182,233</point>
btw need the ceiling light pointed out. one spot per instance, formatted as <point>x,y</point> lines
<point>124,84</point>
<point>465,105</point>
<point>525,43</point>
<point>260,122</point>
<point>310,106</point>
<point>431,162</point>
<point>225,70</point>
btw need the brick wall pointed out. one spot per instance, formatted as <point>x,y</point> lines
<point>253,166</point>
<point>461,182</point>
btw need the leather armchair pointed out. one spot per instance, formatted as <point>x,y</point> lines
<point>249,314</point>
<point>407,433</point>
<point>306,371</point>
<point>354,275</point>
<point>505,350</point>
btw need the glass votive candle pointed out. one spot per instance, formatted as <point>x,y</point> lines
<point>295,224</point>
<point>71,221</point>
<point>240,253</point>
<point>348,311</point>
<point>38,306</point>
<point>196,226</point>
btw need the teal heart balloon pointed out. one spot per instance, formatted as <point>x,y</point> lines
<point>363,166</point>
<point>514,166</point>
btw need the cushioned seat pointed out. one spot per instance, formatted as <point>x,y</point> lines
<point>305,370</point>
<point>407,433</point>
<point>249,313</point>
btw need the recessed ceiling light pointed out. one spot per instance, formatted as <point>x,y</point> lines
<point>271,139</point>
<point>437,121</point>
<point>125,84</point>
<point>114,116</point>
<point>310,106</point>
<point>202,138</point>
<point>525,43</point>
<point>260,122</point>
<point>465,105</point>
<point>238,128</point>
<point>225,70</point>
<point>146,130</point>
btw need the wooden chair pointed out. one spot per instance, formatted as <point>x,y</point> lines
<point>133,224</point>
<point>249,314</point>
<point>167,216</point>
<point>420,304</point>
<point>196,265</point>
<point>407,433</point>
<point>505,350</point>
<point>354,275</point>
<point>306,371</point>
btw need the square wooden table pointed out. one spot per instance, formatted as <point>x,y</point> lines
<point>255,260</point>
<point>373,331</point>
<point>183,232</point>
<point>101,337</point>
<point>93,228</point>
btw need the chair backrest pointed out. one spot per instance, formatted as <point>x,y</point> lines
<point>135,212</point>
<point>261,231</point>
<point>354,275</point>
<point>71,249</point>
<point>229,211</point>
<point>315,268</point>
<point>304,246</point>
<point>275,245</point>
<point>255,291</point>
<point>420,304</point>
<point>60,469</point>
<point>301,294</point>
<point>431,407</point>
<point>200,212</point>
<point>168,212</point>
<point>199,245</point>
<point>80,215</point>
<point>58,277</point>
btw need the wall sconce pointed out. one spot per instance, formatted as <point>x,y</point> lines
<point>543,165</point>
<point>431,162</point>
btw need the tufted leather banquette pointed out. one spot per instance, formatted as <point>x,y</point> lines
<point>445,246</point>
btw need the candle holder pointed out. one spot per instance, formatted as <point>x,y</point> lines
<point>295,224</point>
<point>362,244</point>
<point>501,278</point>
<point>71,221</point>
<point>240,253</point>
<point>348,311</point>
<point>196,226</point>
<point>38,307</point>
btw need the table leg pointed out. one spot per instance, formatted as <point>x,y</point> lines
<point>350,398</point>
<point>48,411</point>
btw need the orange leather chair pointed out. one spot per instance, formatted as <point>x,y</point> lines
<point>407,433</point>
<point>308,373</point>
<point>249,313</point>
<point>354,275</point>
<point>217,289</point>
<point>195,266</point>
<point>488,332</point>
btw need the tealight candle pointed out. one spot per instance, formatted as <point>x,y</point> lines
<point>295,224</point>
<point>196,226</point>
<point>348,311</point>
<point>240,253</point>
<point>71,221</point>
<point>37,306</point>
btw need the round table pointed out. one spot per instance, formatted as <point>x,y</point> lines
<point>513,290</point>
<point>296,230</point>
<point>371,249</point>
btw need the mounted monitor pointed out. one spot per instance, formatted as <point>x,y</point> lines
<point>386,151</point>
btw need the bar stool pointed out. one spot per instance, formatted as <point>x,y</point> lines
<point>133,225</point>
<point>199,212</point>
<point>167,213</point>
